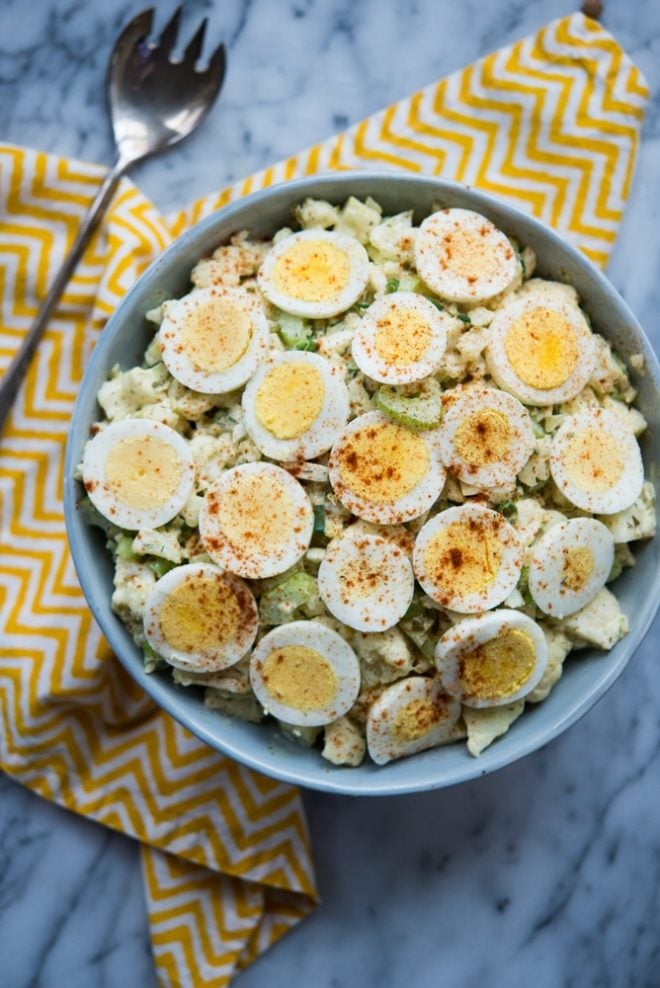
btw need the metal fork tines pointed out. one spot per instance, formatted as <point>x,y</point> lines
<point>155,101</point>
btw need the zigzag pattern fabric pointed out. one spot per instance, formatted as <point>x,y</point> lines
<point>550,123</point>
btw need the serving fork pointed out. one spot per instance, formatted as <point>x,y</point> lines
<point>154,102</point>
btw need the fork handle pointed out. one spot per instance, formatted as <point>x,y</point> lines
<point>11,381</point>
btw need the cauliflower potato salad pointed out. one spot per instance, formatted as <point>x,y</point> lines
<point>373,480</point>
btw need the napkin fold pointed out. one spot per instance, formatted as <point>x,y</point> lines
<point>550,123</point>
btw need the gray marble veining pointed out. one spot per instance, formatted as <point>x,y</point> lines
<point>546,873</point>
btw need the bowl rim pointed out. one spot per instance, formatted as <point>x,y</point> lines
<point>328,777</point>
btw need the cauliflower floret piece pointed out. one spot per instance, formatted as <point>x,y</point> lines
<point>162,543</point>
<point>609,375</point>
<point>234,680</point>
<point>358,395</point>
<point>132,581</point>
<point>152,355</point>
<point>472,343</point>
<point>531,519</point>
<point>230,264</point>
<point>237,705</point>
<point>537,469</point>
<point>162,411</point>
<point>484,725</point>
<point>384,655</point>
<point>635,522</point>
<point>632,417</point>
<point>344,745</point>
<point>211,454</point>
<point>358,218</point>
<point>335,343</point>
<point>128,391</point>
<point>394,238</point>
<point>190,404</point>
<point>377,280</point>
<point>601,623</point>
<point>190,510</point>
<point>316,213</point>
<point>559,645</point>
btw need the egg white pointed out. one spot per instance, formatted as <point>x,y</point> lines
<point>464,637</point>
<point>465,403</point>
<point>476,281</point>
<point>493,592</point>
<point>244,559</point>
<point>385,600</point>
<point>626,489</point>
<point>200,660</point>
<point>374,364</point>
<point>358,261</point>
<point>178,312</point>
<point>334,649</point>
<point>411,505</point>
<point>500,366</point>
<point>323,431</point>
<point>107,499</point>
<point>383,741</point>
<point>546,567</point>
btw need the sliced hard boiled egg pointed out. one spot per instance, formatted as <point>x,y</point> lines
<point>385,472</point>
<point>492,659</point>
<point>569,565</point>
<point>468,558</point>
<point>596,462</point>
<point>463,257</point>
<point>486,436</point>
<point>305,674</point>
<point>410,716</point>
<point>314,274</point>
<point>138,473</point>
<point>541,349</point>
<point>213,339</point>
<point>200,619</point>
<point>256,520</point>
<point>401,339</point>
<point>366,581</point>
<point>295,406</point>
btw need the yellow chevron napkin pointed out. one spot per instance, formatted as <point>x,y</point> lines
<point>551,123</point>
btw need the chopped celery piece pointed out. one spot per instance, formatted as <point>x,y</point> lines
<point>280,604</point>
<point>392,285</point>
<point>420,411</point>
<point>538,429</point>
<point>124,548</point>
<point>319,518</point>
<point>410,283</point>
<point>160,566</point>
<point>616,570</point>
<point>523,585</point>
<point>293,330</point>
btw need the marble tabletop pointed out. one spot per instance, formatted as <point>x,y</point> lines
<point>545,873</point>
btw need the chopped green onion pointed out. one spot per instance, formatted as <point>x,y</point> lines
<point>437,303</point>
<point>319,518</point>
<point>509,510</point>
<point>305,345</point>
<point>464,318</point>
<point>392,285</point>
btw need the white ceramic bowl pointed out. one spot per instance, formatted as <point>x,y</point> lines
<point>262,747</point>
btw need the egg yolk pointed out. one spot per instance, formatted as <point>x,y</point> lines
<point>215,335</point>
<point>593,460</point>
<point>143,471</point>
<point>541,348</point>
<point>201,614</point>
<point>463,557</point>
<point>300,677</point>
<point>256,514</point>
<point>417,718</point>
<point>483,437</point>
<point>499,667</point>
<point>311,271</point>
<point>463,253</point>
<point>383,463</point>
<point>578,565</point>
<point>402,336</point>
<point>290,399</point>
